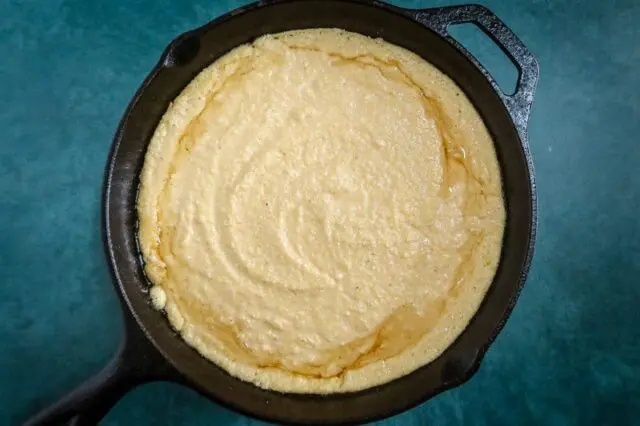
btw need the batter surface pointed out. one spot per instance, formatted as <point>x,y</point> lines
<point>320,212</point>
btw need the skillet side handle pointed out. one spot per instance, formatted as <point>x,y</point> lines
<point>135,363</point>
<point>518,104</point>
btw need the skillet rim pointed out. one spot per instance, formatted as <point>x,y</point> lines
<point>123,291</point>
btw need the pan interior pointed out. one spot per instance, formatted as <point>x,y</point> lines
<point>320,212</point>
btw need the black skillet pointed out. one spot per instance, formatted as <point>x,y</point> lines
<point>151,350</point>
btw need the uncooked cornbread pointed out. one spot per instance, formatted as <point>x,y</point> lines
<point>320,212</point>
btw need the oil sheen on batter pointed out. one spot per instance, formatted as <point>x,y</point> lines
<point>320,212</point>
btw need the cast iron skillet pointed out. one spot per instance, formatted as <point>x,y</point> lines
<point>151,350</point>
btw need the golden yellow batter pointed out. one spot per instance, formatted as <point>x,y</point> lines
<point>320,212</point>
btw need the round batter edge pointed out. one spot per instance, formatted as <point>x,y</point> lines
<point>320,212</point>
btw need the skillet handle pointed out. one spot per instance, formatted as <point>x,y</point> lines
<point>135,363</point>
<point>519,103</point>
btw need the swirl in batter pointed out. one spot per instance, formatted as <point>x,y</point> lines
<point>320,212</point>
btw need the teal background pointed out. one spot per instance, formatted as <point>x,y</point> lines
<point>570,354</point>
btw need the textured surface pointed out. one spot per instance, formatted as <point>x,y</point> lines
<point>570,353</point>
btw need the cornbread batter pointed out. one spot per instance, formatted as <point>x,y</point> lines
<point>320,212</point>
